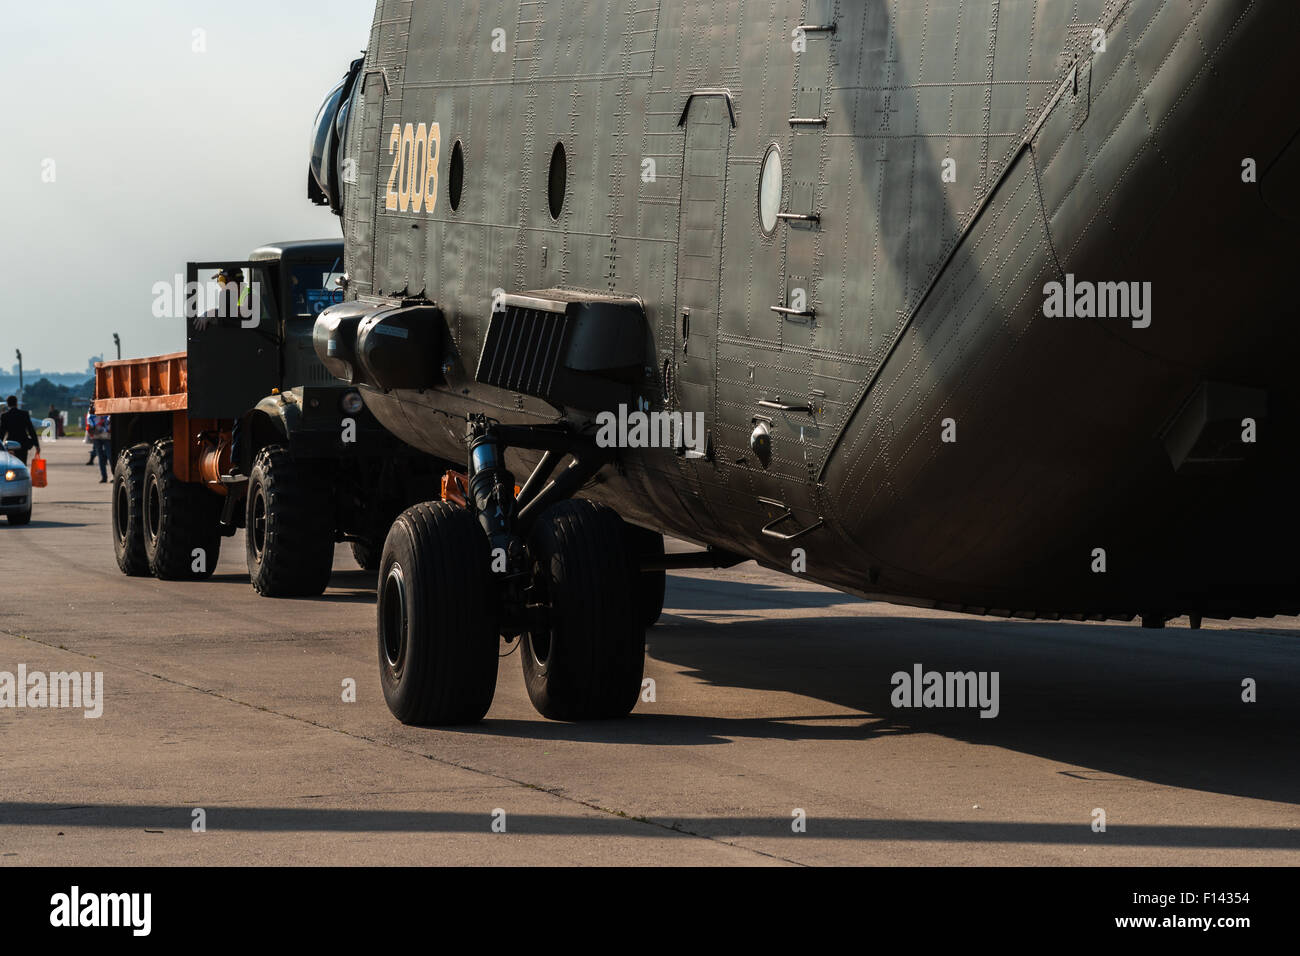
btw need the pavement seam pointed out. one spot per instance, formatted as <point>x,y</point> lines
<point>554,792</point>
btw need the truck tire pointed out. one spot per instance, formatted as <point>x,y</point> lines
<point>587,663</point>
<point>437,629</point>
<point>182,539</point>
<point>289,534</point>
<point>367,555</point>
<point>128,499</point>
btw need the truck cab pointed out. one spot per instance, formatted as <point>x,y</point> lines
<point>289,284</point>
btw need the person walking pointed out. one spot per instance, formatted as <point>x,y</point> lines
<point>100,430</point>
<point>16,425</point>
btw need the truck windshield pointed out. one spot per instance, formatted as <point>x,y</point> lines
<point>313,287</point>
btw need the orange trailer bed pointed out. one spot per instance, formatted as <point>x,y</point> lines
<point>159,383</point>
<point>155,384</point>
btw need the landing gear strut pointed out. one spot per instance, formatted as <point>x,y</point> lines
<point>562,576</point>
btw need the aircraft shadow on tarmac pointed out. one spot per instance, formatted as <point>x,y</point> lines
<point>352,586</point>
<point>1158,705</point>
<point>36,524</point>
<point>1163,706</point>
<point>162,820</point>
<point>745,597</point>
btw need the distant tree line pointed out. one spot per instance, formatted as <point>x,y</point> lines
<point>43,393</point>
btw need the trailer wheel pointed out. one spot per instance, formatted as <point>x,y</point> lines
<point>128,499</point>
<point>289,530</point>
<point>367,555</point>
<point>587,663</point>
<point>437,629</point>
<point>182,540</point>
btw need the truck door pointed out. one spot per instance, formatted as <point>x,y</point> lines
<point>232,337</point>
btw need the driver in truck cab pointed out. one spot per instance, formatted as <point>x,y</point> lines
<point>232,303</point>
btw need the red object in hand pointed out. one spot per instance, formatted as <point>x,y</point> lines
<point>39,476</point>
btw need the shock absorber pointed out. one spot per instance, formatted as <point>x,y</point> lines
<point>491,485</point>
<point>491,493</point>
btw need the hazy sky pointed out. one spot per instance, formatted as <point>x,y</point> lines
<point>161,155</point>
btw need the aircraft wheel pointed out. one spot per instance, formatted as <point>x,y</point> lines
<point>179,521</point>
<point>650,585</point>
<point>128,498</point>
<point>587,663</point>
<point>367,555</point>
<point>437,630</point>
<point>289,531</point>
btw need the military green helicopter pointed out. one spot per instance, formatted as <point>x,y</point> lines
<point>972,306</point>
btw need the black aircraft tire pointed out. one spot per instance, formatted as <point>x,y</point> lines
<point>587,664</point>
<point>436,627</point>
<point>179,521</point>
<point>367,555</point>
<point>128,499</point>
<point>650,585</point>
<point>289,534</point>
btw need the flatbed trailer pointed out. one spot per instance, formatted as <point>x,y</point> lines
<point>157,385</point>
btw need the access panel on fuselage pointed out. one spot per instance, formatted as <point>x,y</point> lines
<point>699,252</point>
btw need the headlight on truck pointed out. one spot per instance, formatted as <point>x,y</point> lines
<point>351,403</point>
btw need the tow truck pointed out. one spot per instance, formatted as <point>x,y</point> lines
<point>247,429</point>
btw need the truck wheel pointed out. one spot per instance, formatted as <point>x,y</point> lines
<point>367,555</point>
<point>587,663</point>
<point>182,540</point>
<point>650,585</point>
<point>289,534</point>
<point>128,498</point>
<point>437,630</point>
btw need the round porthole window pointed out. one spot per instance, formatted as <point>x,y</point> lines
<point>558,181</point>
<point>769,190</point>
<point>456,176</point>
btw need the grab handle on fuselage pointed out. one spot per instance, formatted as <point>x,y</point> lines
<point>770,531</point>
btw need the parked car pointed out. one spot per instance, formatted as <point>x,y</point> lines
<point>15,486</point>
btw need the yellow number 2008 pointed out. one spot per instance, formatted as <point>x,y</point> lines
<point>413,179</point>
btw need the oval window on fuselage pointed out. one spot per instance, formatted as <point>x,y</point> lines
<point>456,176</point>
<point>558,181</point>
<point>769,190</point>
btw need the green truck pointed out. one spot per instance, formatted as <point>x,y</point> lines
<point>247,429</point>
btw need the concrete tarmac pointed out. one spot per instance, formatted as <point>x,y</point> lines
<point>772,705</point>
